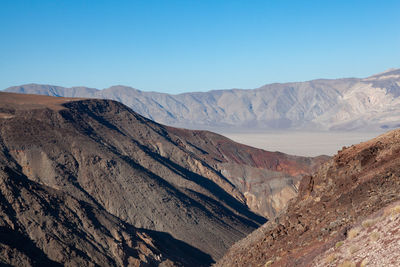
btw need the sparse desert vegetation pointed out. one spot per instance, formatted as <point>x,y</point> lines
<point>330,258</point>
<point>374,236</point>
<point>269,263</point>
<point>339,244</point>
<point>396,209</point>
<point>364,263</point>
<point>354,249</point>
<point>353,232</point>
<point>347,263</point>
<point>367,242</point>
<point>368,223</point>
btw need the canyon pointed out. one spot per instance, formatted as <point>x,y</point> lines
<point>89,181</point>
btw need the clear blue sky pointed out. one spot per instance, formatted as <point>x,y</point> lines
<point>177,46</point>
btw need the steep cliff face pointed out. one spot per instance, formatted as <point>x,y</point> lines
<point>357,182</point>
<point>43,226</point>
<point>136,174</point>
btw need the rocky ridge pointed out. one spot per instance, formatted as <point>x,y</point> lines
<point>358,182</point>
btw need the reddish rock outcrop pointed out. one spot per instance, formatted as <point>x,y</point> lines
<point>359,181</point>
<point>267,180</point>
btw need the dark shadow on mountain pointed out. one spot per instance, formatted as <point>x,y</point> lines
<point>173,249</point>
<point>245,215</point>
<point>215,203</point>
<point>24,244</point>
<point>179,251</point>
<point>176,250</point>
<point>186,199</point>
<point>205,183</point>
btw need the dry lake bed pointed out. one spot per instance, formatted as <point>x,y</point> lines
<point>302,143</point>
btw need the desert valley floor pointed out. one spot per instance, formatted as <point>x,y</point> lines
<point>301,143</point>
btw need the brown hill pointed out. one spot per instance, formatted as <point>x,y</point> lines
<point>96,178</point>
<point>358,182</point>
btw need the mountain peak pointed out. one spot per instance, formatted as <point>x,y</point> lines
<point>390,70</point>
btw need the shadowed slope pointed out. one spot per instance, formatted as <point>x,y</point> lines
<point>41,226</point>
<point>101,153</point>
<point>195,186</point>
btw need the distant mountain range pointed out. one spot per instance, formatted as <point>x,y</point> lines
<point>340,104</point>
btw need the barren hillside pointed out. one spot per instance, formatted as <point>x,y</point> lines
<point>118,176</point>
<point>355,184</point>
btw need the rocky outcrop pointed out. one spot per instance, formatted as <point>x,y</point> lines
<point>359,181</point>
